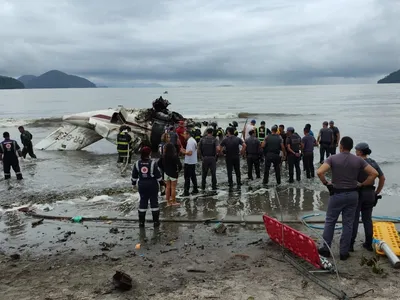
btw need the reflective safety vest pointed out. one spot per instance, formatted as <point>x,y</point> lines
<point>261,133</point>
<point>196,134</point>
<point>123,140</point>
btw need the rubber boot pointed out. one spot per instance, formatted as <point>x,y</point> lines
<point>142,218</point>
<point>156,218</point>
<point>19,177</point>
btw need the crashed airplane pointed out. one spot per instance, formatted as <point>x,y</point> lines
<point>83,129</point>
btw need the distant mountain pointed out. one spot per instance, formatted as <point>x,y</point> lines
<point>10,83</point>
<point>391,78</point>
<point>55,79</point>
<point>26,78</point>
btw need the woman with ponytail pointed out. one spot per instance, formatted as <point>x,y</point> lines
<point>368,197</point>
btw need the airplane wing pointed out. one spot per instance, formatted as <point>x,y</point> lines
<point>69,137</point>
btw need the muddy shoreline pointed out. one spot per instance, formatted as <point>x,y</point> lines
<point>63,260</point>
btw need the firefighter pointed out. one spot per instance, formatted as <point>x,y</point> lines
<point>9,152</point>
<point>146,173</point>
<point>131,143</point>
<point>123,144</point>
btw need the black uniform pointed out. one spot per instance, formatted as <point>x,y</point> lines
<point>26,141</point>
<point>325,143</point>
<point>294,161</point>
<point>147,174</point>
<point>196,134</point>
<point>253,156</point>
<point>232,158</point>
<point>272,148</point>
<point>208,150</point>
<point>123,144</point>
<point>9,149</point>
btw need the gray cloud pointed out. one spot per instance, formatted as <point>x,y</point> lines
<point>279,42</point>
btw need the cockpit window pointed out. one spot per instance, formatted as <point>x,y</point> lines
<point>116,119</point>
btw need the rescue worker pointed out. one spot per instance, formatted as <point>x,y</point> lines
<point>232,157</point>
<point>234,125</point>
<point>282,133</point>
<point>309,128</point>
<point>368,198</point>
<point>311,134</point>
<point>346,169</point>
<point>123,141</point>
<point>293,148</point>
<point>26,141</point>
<point>196,132</point>
<point>9,153</point>
<point>325,141</point>
<point>209,148</point>
<point>253,155</point>
<point>262,132</point>
<point>131,143</point>
<point>336,136</point>
<point>147,176</point>
<point>308,143</point>
<point>273,145</point>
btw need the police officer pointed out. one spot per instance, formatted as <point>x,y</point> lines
<point>232,156</point>
<point>147,175</point>
<point>123,144</point>
<point>209,148</point>
<point>273,145</point>
<point>346,169</point>
<point>8,152</point>
<point>26,141</point>
<point>368,197</point>
<point>262,132</point>
<point>253,155</point>
<point>325,141</point>
<point>293,147</point>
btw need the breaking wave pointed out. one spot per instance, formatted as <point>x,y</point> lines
<point>43,122</point>
<point>56,122</point>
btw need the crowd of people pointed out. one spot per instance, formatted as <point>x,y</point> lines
<point>352,188</point>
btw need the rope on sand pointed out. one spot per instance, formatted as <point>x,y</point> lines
<point>210,220</point>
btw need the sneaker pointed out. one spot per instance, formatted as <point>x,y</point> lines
<point>195,191</point>
<point>351,248</point>
<point>185,194</point>
<point>344,256</point>
<point>368,247</point>
<point>324,252</point>
<point>156,224</point>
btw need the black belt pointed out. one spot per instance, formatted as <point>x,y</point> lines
<point>367,187</point>
<point>339,191</point>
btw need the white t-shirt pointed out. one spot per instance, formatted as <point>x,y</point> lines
<point>191,146</point>
<point>248,128</point>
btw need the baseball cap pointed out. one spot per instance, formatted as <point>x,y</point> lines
<point>331,122</point>
<point>253,121</point>
<point>362,146</point>
<point>290,129</point>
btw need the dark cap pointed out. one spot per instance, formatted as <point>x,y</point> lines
<point>146,151</point>
<point>331,122</point>
<point>262,123</point>
<point>274,128</point>
<point>253,121</point>
<point>362,146</point>
<point>291,129</point>
<point>325,123</point>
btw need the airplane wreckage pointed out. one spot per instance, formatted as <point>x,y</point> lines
<point>83,129</point>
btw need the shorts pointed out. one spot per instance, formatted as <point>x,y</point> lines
<point>170,178</point>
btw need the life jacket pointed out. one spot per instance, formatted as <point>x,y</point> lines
<point>261,133</point>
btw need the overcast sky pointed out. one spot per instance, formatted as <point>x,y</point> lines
<point>186,42</point>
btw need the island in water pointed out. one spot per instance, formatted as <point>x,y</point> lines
<point>10,83</point>
<point>393,77</point>
<point>55,79</point>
